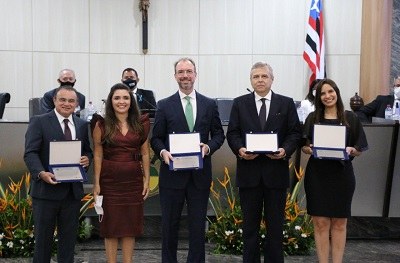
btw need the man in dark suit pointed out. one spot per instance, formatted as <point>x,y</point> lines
<point>263,178</point>
<point>377,107</point>
<point>192,186</point>
<point>55,204</point>
<point>144,98</point>
<point>66,77</point>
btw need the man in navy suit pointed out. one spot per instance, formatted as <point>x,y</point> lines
<point>66,77</point>
<point>192,186</point>
<point>55,204</point>
<point>263,178</point>
<point>144,98</point>
<point>377,107</point>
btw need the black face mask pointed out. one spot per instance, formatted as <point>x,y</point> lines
<point>131,83</point>
<point>67,83</point>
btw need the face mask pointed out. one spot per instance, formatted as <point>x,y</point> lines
<point>67,83</point>
<point>131,83</point>
<point>98,207</point>
<point>397,92</point>
<point>314,92</point>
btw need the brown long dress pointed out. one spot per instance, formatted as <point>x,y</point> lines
<point>121,184</point>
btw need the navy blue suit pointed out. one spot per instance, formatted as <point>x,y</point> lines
<point>190,185</point>
<point>263,181</point>
<point>53,204</point>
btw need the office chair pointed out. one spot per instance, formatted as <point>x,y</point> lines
<point>34,106</point>
<point>224,108</point>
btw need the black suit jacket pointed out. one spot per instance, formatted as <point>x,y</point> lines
<point>145,99</point>
<point>376,108</point>
<point>170,118</point>
<point>283,120</point>
<point>41,131</point>
<point>47,104</point>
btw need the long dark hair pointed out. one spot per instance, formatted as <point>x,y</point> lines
<point>320,107</point>
<point>111,121</point>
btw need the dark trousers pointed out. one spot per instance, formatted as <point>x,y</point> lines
<point>172,201</point>
<point>50,213</point>
<point>253,201</point>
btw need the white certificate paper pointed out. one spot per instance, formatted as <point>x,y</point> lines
<point>261,142</point>
<point>184,143</point>
<point>64,161</point>
<point>330,142</point>
<point>65,152</point>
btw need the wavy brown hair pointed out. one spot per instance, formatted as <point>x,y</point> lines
<point>320,107</point>
<point>111,121</point>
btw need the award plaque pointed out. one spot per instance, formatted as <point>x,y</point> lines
<point>186,151</point>
<point>64,161</point>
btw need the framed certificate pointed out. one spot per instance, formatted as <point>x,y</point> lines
<point>330,142</point>
<point>186,151</point>
<point>64,160</point>
<point>262,143</point>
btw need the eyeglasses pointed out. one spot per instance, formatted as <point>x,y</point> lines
<point>64,100</point>
<point>182,72</point>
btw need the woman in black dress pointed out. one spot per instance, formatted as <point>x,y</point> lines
<point>330,183</point>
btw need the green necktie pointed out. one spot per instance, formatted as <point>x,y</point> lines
<point>189,114</point>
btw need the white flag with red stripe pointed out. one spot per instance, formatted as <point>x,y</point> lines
<point>314,50</point>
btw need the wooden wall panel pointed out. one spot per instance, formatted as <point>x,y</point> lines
<point>375,59</point>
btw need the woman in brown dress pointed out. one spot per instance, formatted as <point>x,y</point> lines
<point>121,170</point>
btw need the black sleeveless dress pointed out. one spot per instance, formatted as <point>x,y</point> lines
<point>330,184</point>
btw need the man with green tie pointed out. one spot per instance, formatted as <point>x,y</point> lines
<point>183,112</point>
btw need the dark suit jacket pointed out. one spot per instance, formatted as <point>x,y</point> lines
<point>41,130</point>
<point>170,118</point>
<point>145,99</point>
<point>47,104</point>
<point>376,108</point>
<point>283,120</point>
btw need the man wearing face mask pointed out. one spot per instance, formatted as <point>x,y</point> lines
<point>66,77</point>
<point>377,107</point>
<point>144,98</point>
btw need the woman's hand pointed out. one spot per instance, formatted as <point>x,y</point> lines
<point>307,149</point>
<point>146,190</point>
<point>352,151</point>
<point>96,191</point>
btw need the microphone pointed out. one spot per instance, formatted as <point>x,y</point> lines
<point>140,98</point>
<point>248,90</point>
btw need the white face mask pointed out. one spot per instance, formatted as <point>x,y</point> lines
<point>314,92</point>
<point>397,92</point>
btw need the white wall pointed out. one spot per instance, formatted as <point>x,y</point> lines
<point>99,38</point>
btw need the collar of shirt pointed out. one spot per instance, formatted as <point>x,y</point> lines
<point>258,97</point>
<point>71,124</point>
<point>61,119</point>
<point>192,95</point>
<point>134,90</point>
